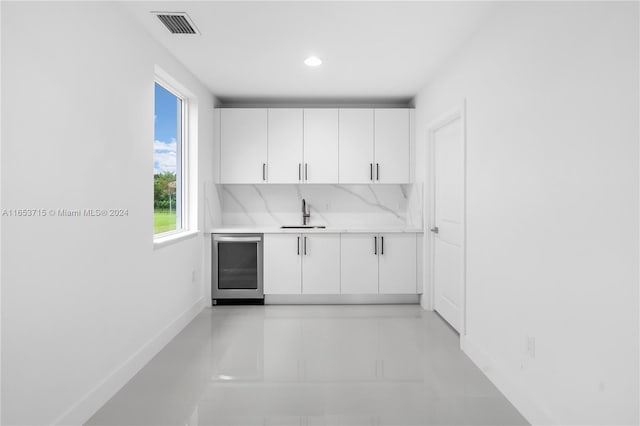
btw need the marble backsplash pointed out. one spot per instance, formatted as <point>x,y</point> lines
<point>331,205</point>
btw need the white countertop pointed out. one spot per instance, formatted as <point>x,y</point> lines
<point>328,230</point>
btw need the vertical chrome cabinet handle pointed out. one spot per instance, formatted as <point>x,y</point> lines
<point>377,171</point>
<point>305,246</point>
<point>306,171</point>
<point>375,245</point>
<point>264,171</point>
<point>299,171</point>
<point>298,246</point>
<point>371,171</point>
<point>382,245</point>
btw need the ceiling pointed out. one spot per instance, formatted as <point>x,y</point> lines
<point>372,51</point>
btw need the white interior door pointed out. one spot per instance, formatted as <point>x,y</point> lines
<point>448,220</point>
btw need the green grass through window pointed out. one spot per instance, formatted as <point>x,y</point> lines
<point>163,221</point>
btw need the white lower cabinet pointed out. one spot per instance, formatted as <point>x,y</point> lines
<point>282,264</point>
<point>359,263</point>
<point>302,264</point>
<point>349,263</point>
<point>397,264</point>
<point>378,263</point>
<point>321,264</point>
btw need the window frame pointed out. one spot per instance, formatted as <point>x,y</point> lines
<point>184,177</point>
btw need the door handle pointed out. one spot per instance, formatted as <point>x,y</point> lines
<point>237,239</point>
<point>298,245</point>
<point>306,171</point>
<point>299,171</point>
<point>305,246</point>
<point>435,230</point>
<point>382,245</point>
<point>264,171</point>
<point>377,171</point>
<point>375,245</point>
<point>371,171</point>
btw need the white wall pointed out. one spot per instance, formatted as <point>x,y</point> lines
<point>552,122</point>
<point>0,232</point>
<point>85,301</point>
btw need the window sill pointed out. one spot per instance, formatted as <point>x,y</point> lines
<point>167,240</point>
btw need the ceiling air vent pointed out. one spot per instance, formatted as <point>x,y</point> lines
<point>177,22</point>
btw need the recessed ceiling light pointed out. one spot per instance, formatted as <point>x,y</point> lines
<point>312,61</point>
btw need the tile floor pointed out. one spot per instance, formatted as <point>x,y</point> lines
<point>311,365</point>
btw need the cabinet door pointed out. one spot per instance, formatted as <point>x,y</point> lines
<point>392,145</point>
<point>356,146</point>
<point>359,264</point>
<point>285,145</point>
<point>321,145</point>
<point>243,145</point>
<point>282,264</point>
<point>321,264</point>
<point>397,263</point>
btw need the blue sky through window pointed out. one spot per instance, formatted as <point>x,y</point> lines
<point>165,130</point>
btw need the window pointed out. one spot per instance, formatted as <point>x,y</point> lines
<point>169,174</point>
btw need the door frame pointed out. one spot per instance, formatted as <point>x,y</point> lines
<point>459,112</point>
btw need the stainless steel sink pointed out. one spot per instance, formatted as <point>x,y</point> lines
<point>303,227</point>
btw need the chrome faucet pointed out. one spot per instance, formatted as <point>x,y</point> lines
<point>306,212</point>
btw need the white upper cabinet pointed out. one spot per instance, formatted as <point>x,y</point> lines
<point>397,263</point>
<point>392,145</point>
<point>320,145</point>
<point>356,145</point>
<point>285,132</point>
<point>375,145</point>
<point>317,145</point>
<point>243,145</point>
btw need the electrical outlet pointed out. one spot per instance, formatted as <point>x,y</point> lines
<point>531,346</point>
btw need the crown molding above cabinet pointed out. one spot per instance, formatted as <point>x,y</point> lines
<point>315,145</point>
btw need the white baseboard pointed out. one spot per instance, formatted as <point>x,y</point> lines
<point>88,405</point>
<point>516,394</point>
<point>424,302</point>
